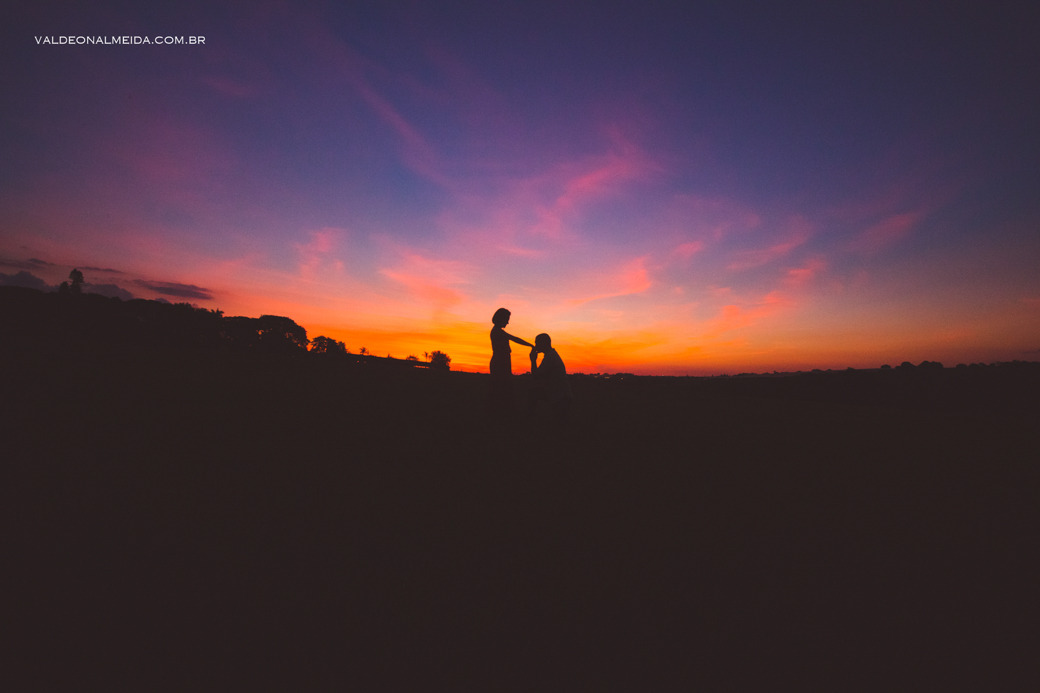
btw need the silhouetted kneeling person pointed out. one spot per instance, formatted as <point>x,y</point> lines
<point>550,387</point>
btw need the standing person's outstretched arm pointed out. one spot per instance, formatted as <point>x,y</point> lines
<point>517,339</point>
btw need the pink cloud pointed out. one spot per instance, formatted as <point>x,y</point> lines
<point>635,277</point>
<point>521,251</point>
<point>800,276</point>
<point>708,218</point>
<point>887,232</point>
<point>532,215</point>
<point>797,233</point>
<point>356,70</point>
<point>424,290</point>
<point>733,316</point>
<point>316,252</point>
<point>582,182</point>
<point>417,148</point>
<point>631,278</point>
<point>689,249</point>
<point>924,182</point>
<point>430,280</point>
<point>599,180</point>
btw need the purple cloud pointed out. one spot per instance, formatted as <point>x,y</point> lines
<point>176,289</point>
<point>110,290</point>
<point>24,279</point>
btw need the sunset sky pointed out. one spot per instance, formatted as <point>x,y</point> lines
<point>726,187</point>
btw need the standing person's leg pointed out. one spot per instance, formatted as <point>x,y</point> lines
<point>501,386</point>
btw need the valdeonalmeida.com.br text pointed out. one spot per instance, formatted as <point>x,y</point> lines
<point>120,40</point>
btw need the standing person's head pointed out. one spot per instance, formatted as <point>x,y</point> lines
<point>501,317</point>
<point>542,342</point>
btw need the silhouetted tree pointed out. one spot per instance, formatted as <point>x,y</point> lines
<point>363,351</point>
<point>241,332</point>
<point>76,279</point>
<point>327,346</point>
<point>440,360</point>
<point>280,333</point>
<point>320,345</point>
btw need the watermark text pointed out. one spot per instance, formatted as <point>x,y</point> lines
<point>120,40</point>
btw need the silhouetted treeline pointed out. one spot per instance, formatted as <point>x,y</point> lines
<point>1006,386</point>
<point>69,320</point>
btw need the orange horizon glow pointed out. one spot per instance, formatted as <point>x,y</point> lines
<point>651,353</point>
<point>629,319</point>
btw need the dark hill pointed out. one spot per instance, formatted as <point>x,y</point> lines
<point>180,514</point>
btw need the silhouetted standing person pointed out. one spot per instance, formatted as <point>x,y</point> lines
<point>502,363</point>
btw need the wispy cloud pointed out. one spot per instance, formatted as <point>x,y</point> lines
<point>318,251</point>
<point>24,279</point>
<point>540,214</point>
<point>369,82</point>
<point>688,249</point>
<point>575,184</point>
<point>886,232</point>
<point>631,278</point>
<point>175,289</point>
<point>30,281</point>
<point>430,280</point>
<point>110,290</point>
<point>796,232</point>
<point>706,219</point>
<point>806,273</point>
<point>29,264</point>
<point>734,316</point>
<point>105,270</point>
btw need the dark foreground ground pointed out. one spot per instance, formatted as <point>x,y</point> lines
<point>217,523</point>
